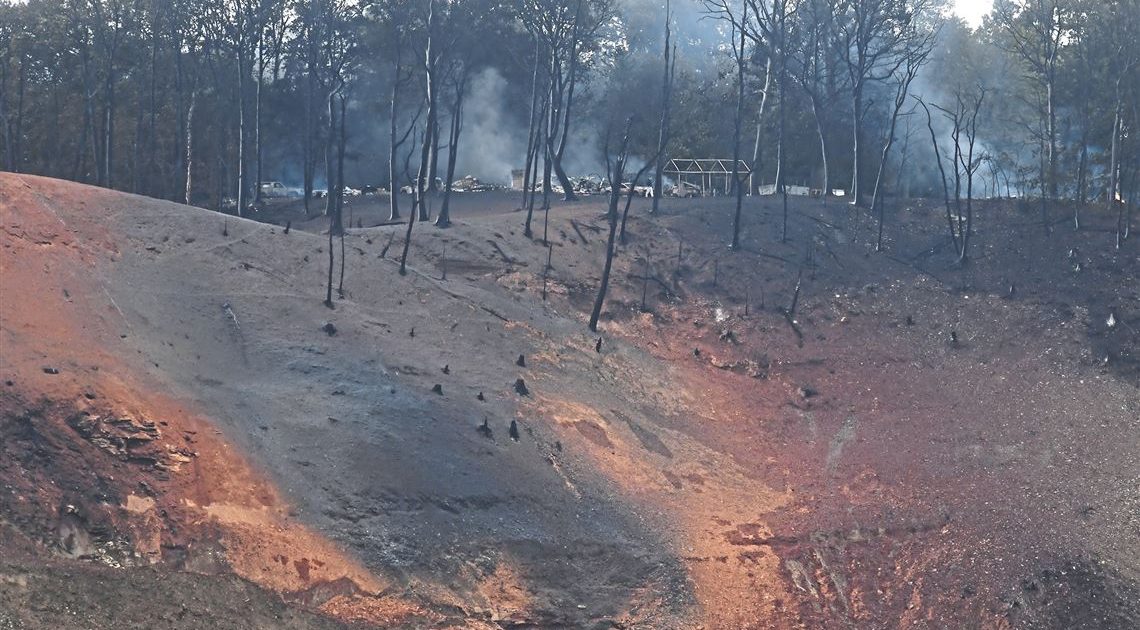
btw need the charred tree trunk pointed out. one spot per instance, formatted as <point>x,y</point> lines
<point>394,145</point>
<point>332,198</point>
<point>857,134</point>
<point>444,218</point>
<point>18,136</point>
<point>1114,160</point>
<point>308,144</point>
<point>1052,133</point>
<point>780,158</point>
<point>915,61</point>
<point>257,150</point>
<point>942,176</point>
<point>433,168</point>
<point>241,156</point>
<point>136,151</point>
<point>107,179</point>
<point>86,140</point>
<point>340,187</point>
<point>530,134</point>
<point>564,112</point>
<point>663,128</point>
<point>342,141</point>
<point>552,113</point>
<point>879,177</point>
<point>547,169</point>
<point>739,123</point>
<point>1114,170</point>
<point>539,144</point>
<point>220,166</point>
<point>9,152</point>
<point>153,184</point>
<point>330,154</point>
<point>428,140</point>
<point>332,264</point>
<point>426,180</point>
<point>417,198</point>
<point>1043,165</point>
<point>612,218</point>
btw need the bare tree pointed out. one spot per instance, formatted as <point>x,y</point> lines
<point>532,132</point>
<point>739,54</point>
<point>942,176</point>
<point>869,34</point>
<point>398,80</point>
<point>615,172</point>
<point>774,18</point>
<point>738,19</point>
<point>917,48</point>
<point>568,31</point>
<point>539,145</point>
<point>964,122</point>
<point>669,72</point>
<point>757,156</point>
<point>427,142</point>
<point>459,84</point>
<point>1035,31</point>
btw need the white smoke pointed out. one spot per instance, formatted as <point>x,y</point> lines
<point>491,144</point>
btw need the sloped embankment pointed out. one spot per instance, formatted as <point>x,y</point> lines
<point>99,462</point>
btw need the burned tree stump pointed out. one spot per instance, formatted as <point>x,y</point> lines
<point>521,362</point>
<point>521,388</point>
<point>514,431</point>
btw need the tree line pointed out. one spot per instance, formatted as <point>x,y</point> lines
<point>199,100</point>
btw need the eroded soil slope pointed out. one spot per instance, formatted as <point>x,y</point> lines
<point>713,463</point>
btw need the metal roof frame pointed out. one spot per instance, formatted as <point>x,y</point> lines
<point>706,166</point>
<point>713,175</point>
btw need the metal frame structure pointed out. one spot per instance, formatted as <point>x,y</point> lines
<point>708,172</point>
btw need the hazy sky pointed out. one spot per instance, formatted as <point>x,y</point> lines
<point>972,10</point>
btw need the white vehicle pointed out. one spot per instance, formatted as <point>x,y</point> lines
<point>277,190</point>
<point>685,190</point>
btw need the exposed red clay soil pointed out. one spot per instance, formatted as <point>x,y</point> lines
<point>99,464</point>
<point>718,464</point>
